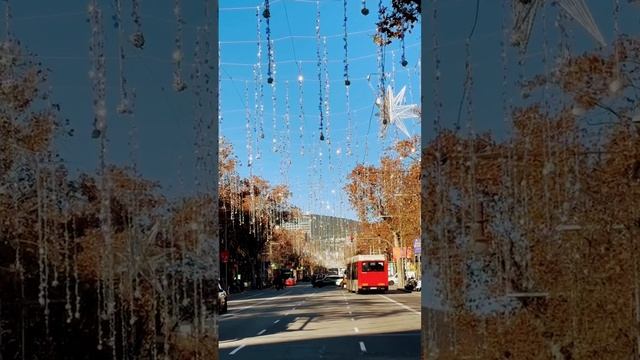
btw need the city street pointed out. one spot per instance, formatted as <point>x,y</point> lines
<point>302,322</point>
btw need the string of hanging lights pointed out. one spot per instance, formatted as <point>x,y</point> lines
<point>178,82</point>
<point>267,15</point>
<point>347,82</point>
<point>318,45</point>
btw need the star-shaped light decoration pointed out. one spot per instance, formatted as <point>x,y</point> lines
<point>524,12</point>
<point>393,111</point>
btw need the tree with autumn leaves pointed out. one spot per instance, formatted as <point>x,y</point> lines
<point>251,212</point>
<point>103,265</point>
<point>531,241</point>
<point>386,198</point>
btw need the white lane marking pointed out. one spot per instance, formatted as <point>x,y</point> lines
<point>356,329</point>
<point>258,302</point>
<point>362,347</point>
<point>401,304</point>
<point>237,349</point>
<point>262,331</point>
<point>277,321</point>
<point>279,296</point>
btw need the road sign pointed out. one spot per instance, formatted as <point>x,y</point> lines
<point>402,252</point>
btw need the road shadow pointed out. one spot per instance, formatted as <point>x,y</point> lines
<point>323,308</point>
<point>402,345</point>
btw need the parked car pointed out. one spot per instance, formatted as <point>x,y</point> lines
<point>411,284</point>
<point>334,280</point>
<point>393,282</point>
<point>315,278</point>
<point>221,304</point>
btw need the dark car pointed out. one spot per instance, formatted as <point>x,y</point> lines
<point>221,304</point>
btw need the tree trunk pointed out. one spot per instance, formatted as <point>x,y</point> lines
<point>399,263</point>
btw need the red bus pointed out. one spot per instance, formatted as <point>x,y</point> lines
<point>367,272</point>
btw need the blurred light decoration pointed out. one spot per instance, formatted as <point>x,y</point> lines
<point>7,20</point>
<point>137,38</point>
<point>394,111</point>
<point>327,106</point>
<point>97,73</point>
<point>247,114</point>
<point>178,81</point>
<point>580,12</point>
<point>286,140</point>
<point>126,104</point>
<point>525,12</point>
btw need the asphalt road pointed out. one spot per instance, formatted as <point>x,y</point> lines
<point>302,322</point>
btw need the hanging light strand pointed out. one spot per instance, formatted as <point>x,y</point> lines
<point>137,38</point>
<point>347,82</point>
<point>348,108</point>
<point>301,110</point>
<point>259,95</point>
<point>274,115</point>
<point>267,15</point>
<point>381,53</point>
<point>125,106</point>
<point>318,45</point>
<point>327,89</point>
<point>403,58</point>
<point>7,20</point>
<point>178,81</point>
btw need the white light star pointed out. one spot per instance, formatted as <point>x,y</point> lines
<point>393,111</point>
<point>525,13</point>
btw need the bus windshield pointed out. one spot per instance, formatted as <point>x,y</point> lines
<point>372,266</point>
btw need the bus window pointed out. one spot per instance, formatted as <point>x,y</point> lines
<point>372,266</point>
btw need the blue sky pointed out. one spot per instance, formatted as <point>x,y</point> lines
<point>317,175</point>
<point>163,140</point>
<point>162,127</point>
